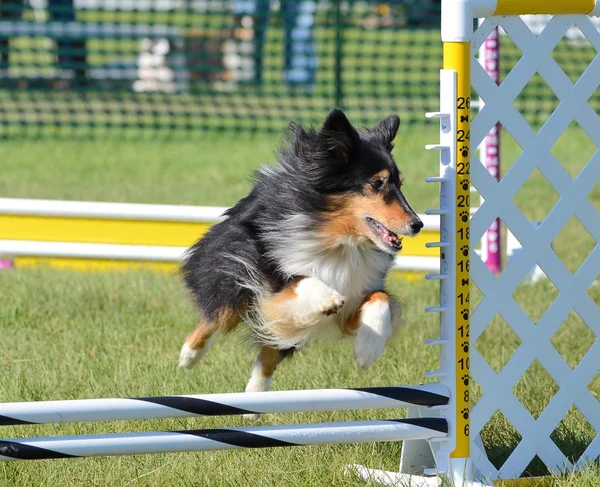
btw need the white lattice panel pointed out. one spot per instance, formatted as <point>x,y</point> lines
<point>498,202</point>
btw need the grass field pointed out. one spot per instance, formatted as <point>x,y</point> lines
<point>68,335</point>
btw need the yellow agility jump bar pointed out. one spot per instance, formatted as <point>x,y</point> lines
<point>117,236</point>
<point>523,7</point>
<point>138,232</point>
<point>457,13</point>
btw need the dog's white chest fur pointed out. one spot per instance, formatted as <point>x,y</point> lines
<point>352,270</point>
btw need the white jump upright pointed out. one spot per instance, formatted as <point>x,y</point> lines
<point>498,387</point>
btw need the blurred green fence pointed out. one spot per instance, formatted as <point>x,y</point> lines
<point>166,67</point>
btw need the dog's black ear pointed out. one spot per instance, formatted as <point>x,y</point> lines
<point>338,134</point>
<point>385,131</point>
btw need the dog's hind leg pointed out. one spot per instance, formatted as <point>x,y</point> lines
<point>262,371</point>
<point>373,323</point>
<point>196,345</point>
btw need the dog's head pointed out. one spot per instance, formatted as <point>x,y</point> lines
<point>359,180</point>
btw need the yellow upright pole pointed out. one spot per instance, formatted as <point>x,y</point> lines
<point>457,57</point>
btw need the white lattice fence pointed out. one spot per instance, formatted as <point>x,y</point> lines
<point>498,393</point>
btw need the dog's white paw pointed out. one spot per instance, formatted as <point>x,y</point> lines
<point>330,305</point>
<point>319,297</point>
<point>189,357</point>
<point>374,330</point>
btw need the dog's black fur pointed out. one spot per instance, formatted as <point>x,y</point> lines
<point>314,165</point>
<point>306,253</point>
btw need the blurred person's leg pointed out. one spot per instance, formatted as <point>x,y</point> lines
<point>71,52</point>
<point>9,10</point>
<point>300,48</point>
<point>250,19</point>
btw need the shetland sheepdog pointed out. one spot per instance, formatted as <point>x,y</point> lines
<point>306,253</point>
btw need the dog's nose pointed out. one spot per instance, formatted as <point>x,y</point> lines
<point>416,225</point>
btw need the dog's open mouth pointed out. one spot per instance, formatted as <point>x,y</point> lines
<point>389,238</point>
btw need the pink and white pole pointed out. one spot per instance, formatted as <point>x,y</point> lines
<point>490,152</point>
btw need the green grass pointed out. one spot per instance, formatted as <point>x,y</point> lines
<point>69,335</point>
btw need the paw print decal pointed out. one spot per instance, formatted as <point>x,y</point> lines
<point>464,216</point>
<point>465,250</point>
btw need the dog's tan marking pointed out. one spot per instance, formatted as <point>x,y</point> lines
<point>347,219</point>
<point>269,358</point>
<point>201,335</point>
<point>303,303</point>
<point>226,321</point>
<point>196,345</point>
<point>341,223</point>
<point>392,215</point>
<point>384,175</point>
<point>273,308</point>
<point>275,312</point>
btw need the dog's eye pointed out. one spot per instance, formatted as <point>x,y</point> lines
<point>377,184</point>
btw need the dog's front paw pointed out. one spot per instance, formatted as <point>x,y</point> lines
<point>318,298</point>
<point>373,333</point>
<point>330,305</point>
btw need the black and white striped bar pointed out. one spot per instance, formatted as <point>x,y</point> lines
<point>222,439</point>
<point>221,404</point>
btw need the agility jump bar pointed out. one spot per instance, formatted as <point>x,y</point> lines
<point>87,410</point>
<point>94,235</point>
<point>222,439</point>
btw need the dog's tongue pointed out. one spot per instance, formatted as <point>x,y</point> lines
<point>391,238</point>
